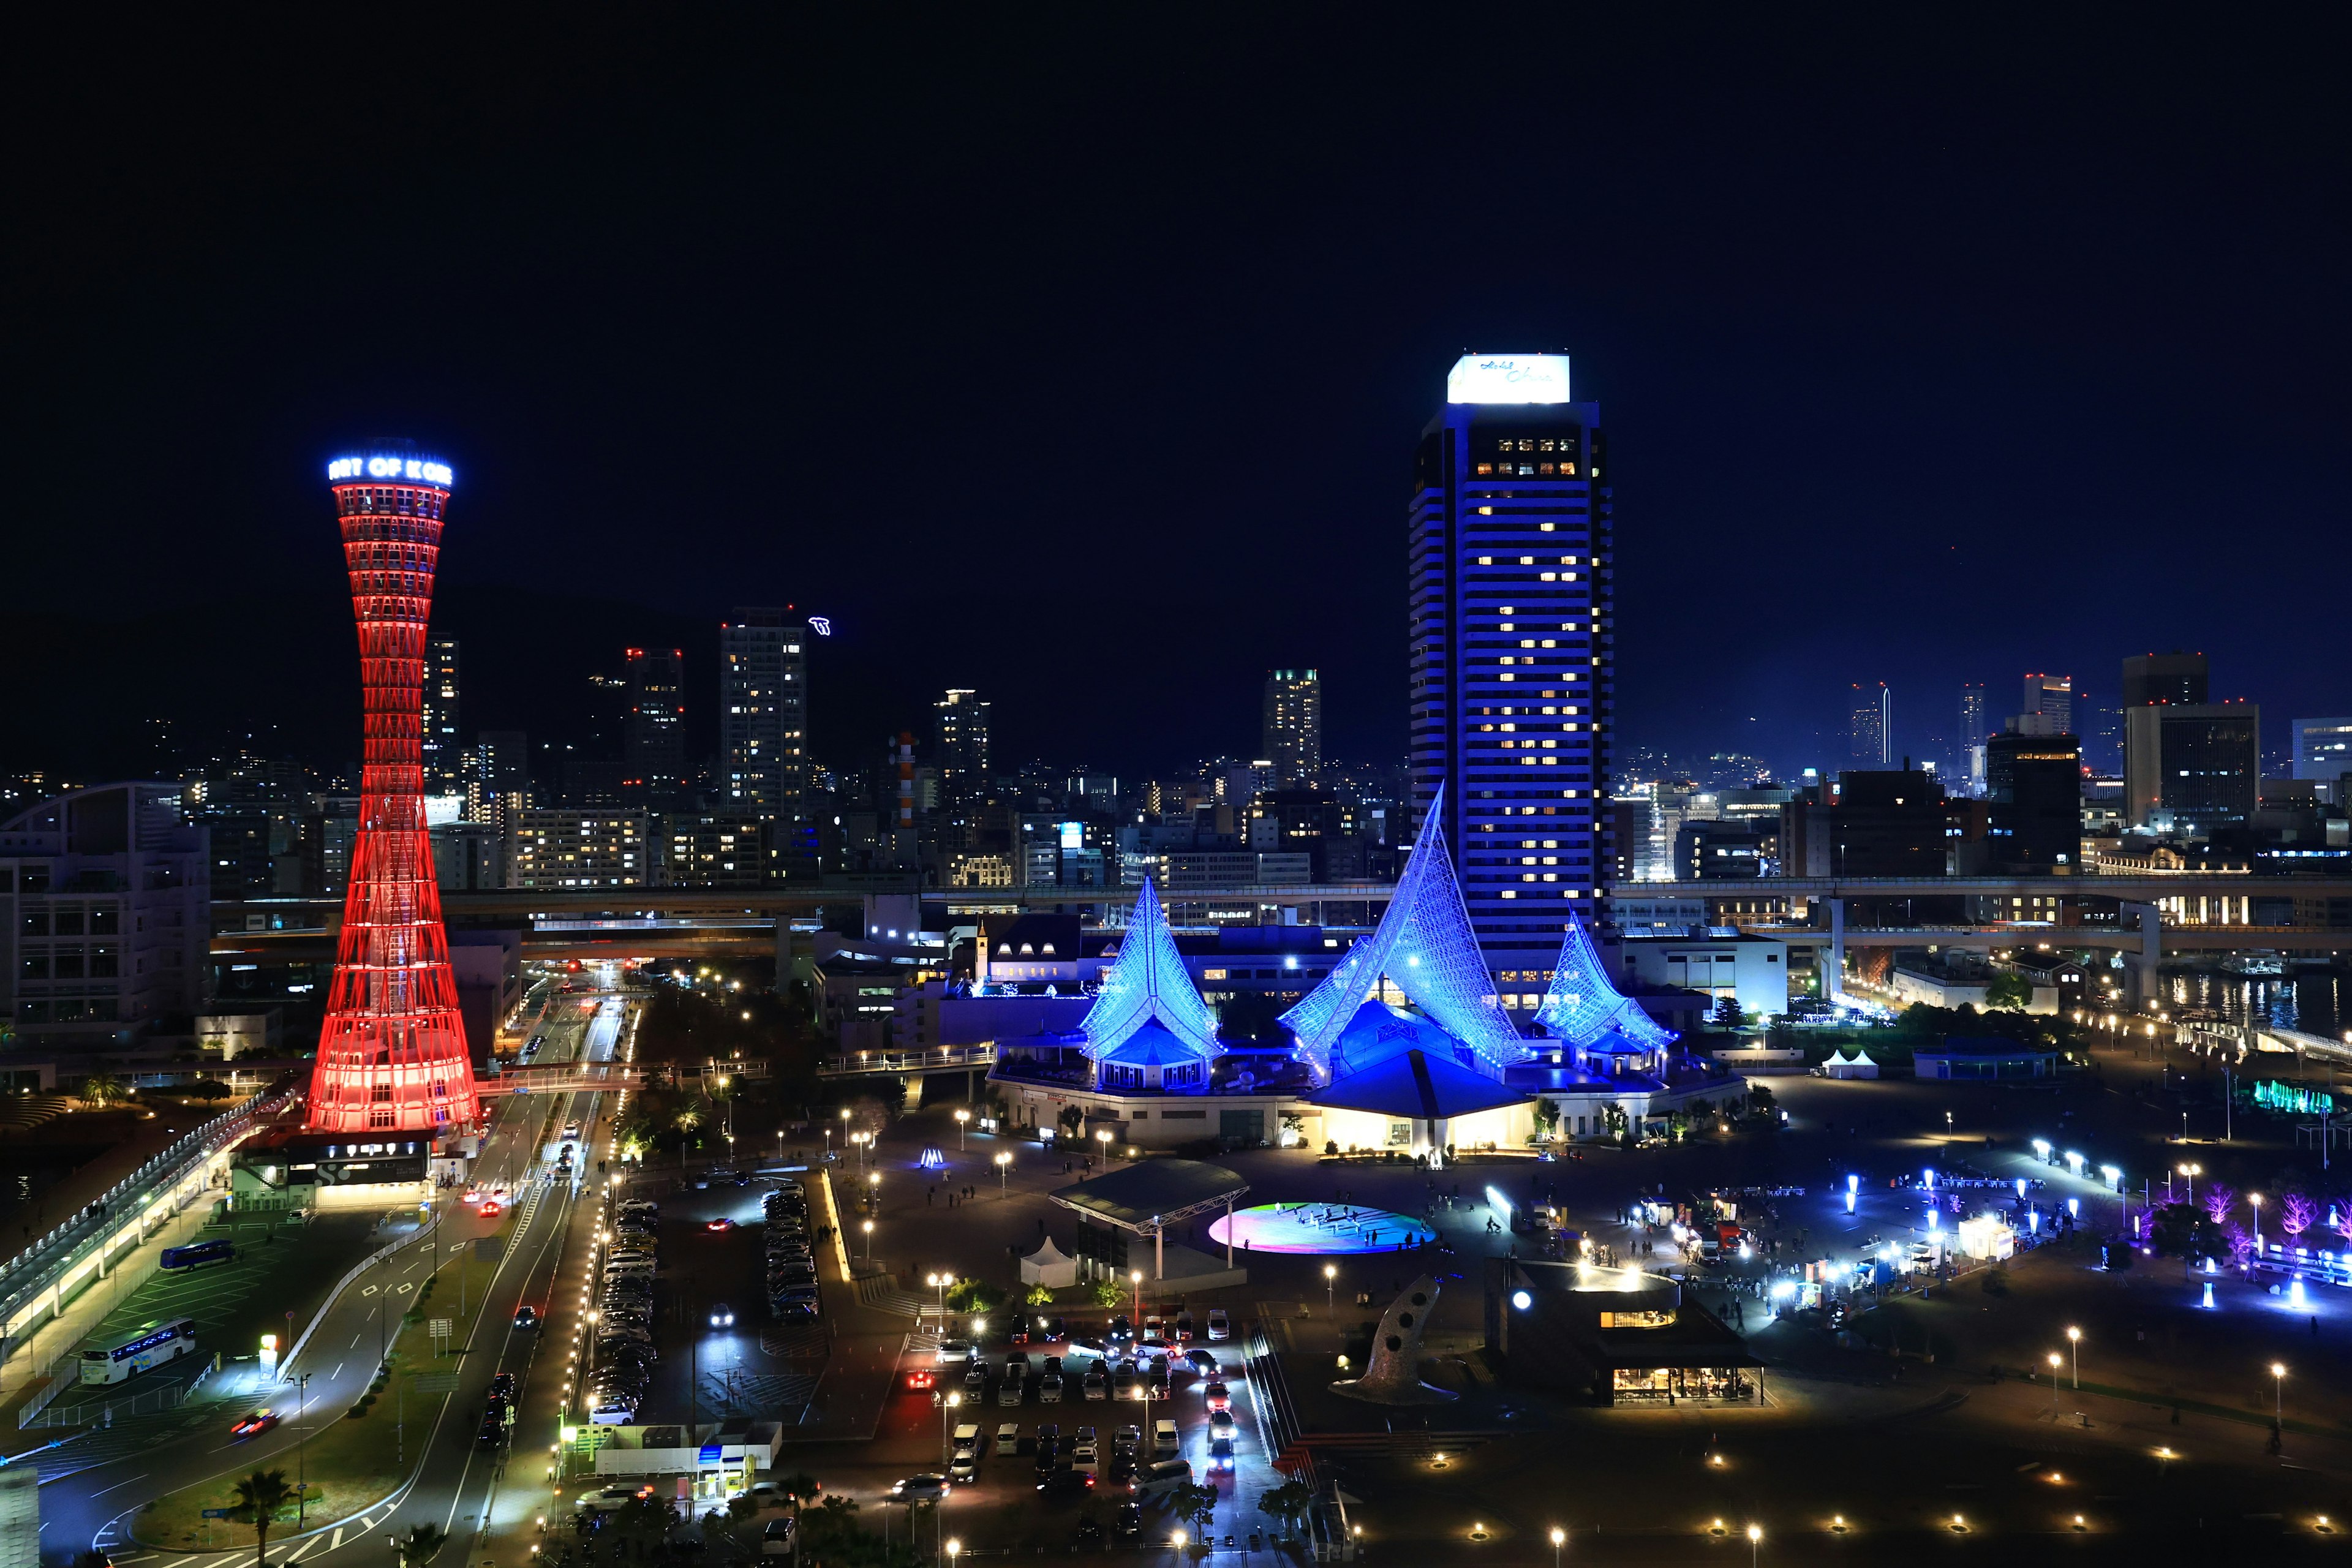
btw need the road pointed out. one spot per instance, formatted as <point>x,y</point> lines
<point>460,1484</point>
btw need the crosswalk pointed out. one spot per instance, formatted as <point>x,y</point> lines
<point>767,1396</point>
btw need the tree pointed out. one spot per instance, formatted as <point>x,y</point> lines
<point>258,1497</point>
<point>973,1296</point>
<point>2296,1213</point>
<point>2009,993</point>
<point>1071,1119</point>
<point>2218,1201</point>
<point>210,1090</point>
<point>1040,1296</point>
<point>2339,1219</point>
<point>424,1544</point>
<point>102,1089</point>
<point>1109,1293</point>
<point>1288,1503</point>
<point>1725,1014</point>
<point>1195,1502</point>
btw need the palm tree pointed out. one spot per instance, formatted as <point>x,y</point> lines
<point>424,1544</point>
<point>102,1089</point>
<point>258,1497</point>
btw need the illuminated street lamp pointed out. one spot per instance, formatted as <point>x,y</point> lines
<point>1135,1277</point>
<point>961,1118</point>
<point>2074,1344</point>
<point>2192,1172</point>
<point>1755,1540</point>
<point>1559,1540</point>
<point>2053,1384</point>
<point>1330,1290</point>
<point>2256,1199</point>
<point>1102,1136</point>
<point>2278,1389</point>
<point>869,1241</point>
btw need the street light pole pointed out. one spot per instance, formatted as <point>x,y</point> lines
<point>1559,1540</point>
<point>962,1117</point>
<point>1330,1290</point>
<point>301,1444</point>
<point>2053,1386</point>
<point>2074,1344</point>
<point>1004,1164</point>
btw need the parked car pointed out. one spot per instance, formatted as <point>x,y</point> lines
<point>1219,1327</point>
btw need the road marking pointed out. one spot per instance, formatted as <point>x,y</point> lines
<point>355,1342</point>
<point>307,1547</point>
<point>336,1373</point>
<point>117,1486</point>
<point>337,1543</point>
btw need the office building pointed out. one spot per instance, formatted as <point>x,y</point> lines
<point>1969,747</point>
<point>762,715</point>
<point>498,776</point>
<point>2033,821</point>
<point>2191,767</point>
<point>960,724</point>
<point>1722,847</point>
<point>1870,725</point>
<point>105,913</point>
<point>445,762</point>
<point>1513,669</point>
<point>653,754</point>
<point>2323,749</point>
<point>2175,677</point>
<point>1888,823</point>
<point>694,849</point>
<point>391,1052</point>
<point>2052,697</point>
<point>557,849</point>
<point>1290,732</point>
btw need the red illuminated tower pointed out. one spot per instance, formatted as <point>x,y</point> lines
<point>392,1055</point>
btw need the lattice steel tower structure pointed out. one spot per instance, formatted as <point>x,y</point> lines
<point>392,1055</point>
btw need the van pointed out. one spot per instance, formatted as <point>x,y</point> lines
<point>1163,1477</point>
<point>967,1438</point>
<point>776,1540</point>
<point>1015,1383</point>
<point>1163,1438</point>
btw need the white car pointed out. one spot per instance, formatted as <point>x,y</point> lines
<point>1218,1327</point>
<point>919,1488</point>
<point>606,1500</point>
<point>964,1470</point>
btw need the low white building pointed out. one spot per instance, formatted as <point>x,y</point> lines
<point>1752,970</point>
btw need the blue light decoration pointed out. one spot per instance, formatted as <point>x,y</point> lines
<point>2273,1095</point>
<point>1522,1300</point>
<point>1582,1005</point>
<point>821,625</point>
<point>933,1160</point>
<point>1149,983</point>
<point>2295,1293</point>
<point>2209,1304</point>
<point>1424,946</point>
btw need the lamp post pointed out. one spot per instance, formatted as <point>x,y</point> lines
<point>947,1421</point>
<point>1135,1277</point>
<point>1755,1540</point>
<point>2278,1395</point>
<point>1559,1540</point>
<point>869,1240</point>
<point>954,1546</point>
<point>2256,1200</point>
<point>2074,1345</point>
<point>1003,1163</point>
<point>2053,1386</point>
<point>301,1444</point>
<point>1102,1136</point>
<point>961,1118</point>
<point>1330,1290</point>
<point>2191,1172</point>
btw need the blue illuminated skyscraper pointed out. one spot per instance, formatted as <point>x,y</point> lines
<point>1513,667</point>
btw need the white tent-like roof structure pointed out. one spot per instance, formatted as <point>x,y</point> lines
<point>1424,945</point>
<point>1049,1265</point>
<point>1148,985</point>
<point>1581,1007</point>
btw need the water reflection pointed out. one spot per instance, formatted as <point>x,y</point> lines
<point>2314,1000</point>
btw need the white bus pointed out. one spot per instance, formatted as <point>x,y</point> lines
<point>165,1341</point>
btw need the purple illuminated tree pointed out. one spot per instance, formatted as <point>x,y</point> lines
<point>2218,1201</point>
<point>2296,1214</point>
<point>2339,1219</point>
<point>2242,1245</point>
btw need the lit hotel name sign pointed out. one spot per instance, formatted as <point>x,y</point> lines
<point>1508,378</point>
<point>415,469</point>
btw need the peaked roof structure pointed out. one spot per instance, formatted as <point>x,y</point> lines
<point>1424,945</point>
<point>1148,984</point>
<point>1581,1007</point>
<point>1412,1083</point>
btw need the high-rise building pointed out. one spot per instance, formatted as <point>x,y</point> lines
<point>2175,678</point>
<point>1870,725</point>
<point>2052,697</point>
<point>1291,727</point>
<point>557,849</point>
<point>392,1053</point>
<point>2033,803</point>
<point>1513,667</point>
<point>445,762</point>
<point>2191,766</point>
<point>653,747</point>
<point>498,776</point>
<point>762,714</point>
<point>108,906</point>
<point>1972,740</point>
<point>2323,749</point>
<point>1888,823</point>
<point>962,737</point>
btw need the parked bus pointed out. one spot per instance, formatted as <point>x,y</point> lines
<point>218,1250</point>
<point>167,1342</point>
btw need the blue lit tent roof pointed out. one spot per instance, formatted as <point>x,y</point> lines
<point>1581,1007</point>
<point>1150,1045</point>
<point>1378,1032</point>
<point>1413,1083</point>
<point>1424,945</point>
<point>1148,983</point>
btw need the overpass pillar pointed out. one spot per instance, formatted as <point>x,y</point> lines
<point>2141,966</point>
<point>1834,984</point>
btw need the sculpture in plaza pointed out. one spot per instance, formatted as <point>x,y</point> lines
<point>1392,1377</point>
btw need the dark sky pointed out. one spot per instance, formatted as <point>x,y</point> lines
<point>1079,357</point>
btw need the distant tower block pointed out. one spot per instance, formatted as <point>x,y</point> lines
<point>392,1055</point>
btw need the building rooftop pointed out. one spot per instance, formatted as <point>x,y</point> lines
<point>1154,1191</point>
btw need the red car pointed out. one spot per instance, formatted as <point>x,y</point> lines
<point>490,1209</point>
<point>920,1379</point>
<point>720,1224</point>
<point>254,1424</point>
<point>1218,1396</point>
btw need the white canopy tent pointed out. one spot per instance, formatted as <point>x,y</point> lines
<point>1049,1266</point>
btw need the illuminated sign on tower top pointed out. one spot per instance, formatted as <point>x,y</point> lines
<point>390,466</point>
<point>1508,378</point>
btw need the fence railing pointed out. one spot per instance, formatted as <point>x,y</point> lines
<point>92,1413</point>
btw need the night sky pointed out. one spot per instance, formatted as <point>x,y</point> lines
<point>1080,357</point>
